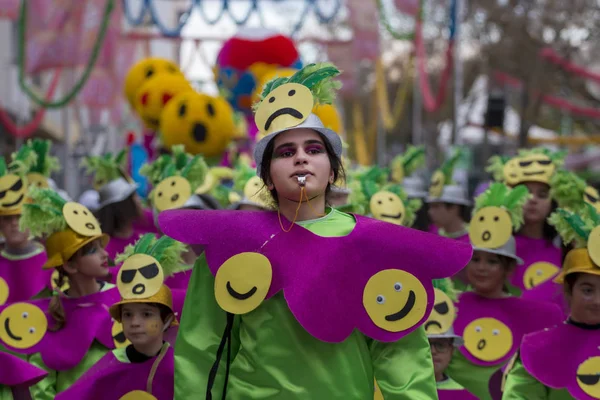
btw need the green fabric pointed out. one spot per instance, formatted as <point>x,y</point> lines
<point>473,378</point>
<point>449,384</point>
<point>57,381</point>
<point>5,393</point>
<point>273,357</point>
<point>522,386</point>
<point>121,355</point>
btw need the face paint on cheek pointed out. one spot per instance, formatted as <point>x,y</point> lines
<point>152,328</point>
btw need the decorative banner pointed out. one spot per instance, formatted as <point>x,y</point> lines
<point>9,9</point>
<point>553,57</point>
<point>364,20</point>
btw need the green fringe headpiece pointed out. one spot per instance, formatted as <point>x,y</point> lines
<point>34,156</point>
<point>447,286</point>
<point>106,168</point>
<point>511,200</point>
<point>168,252</point>
<point>575,226</point>
<point>405,164</point>
<point>23,160</point>
<point>568,190</point>
<point>44,215</point>
<point>447,167</point>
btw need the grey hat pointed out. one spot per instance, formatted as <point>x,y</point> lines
<point>414,187</point>
<point>115,191</point>
<point>508,249</point>
<point>449,334</point>
<point>312,122</point>
<point>451,194</point>
<point>90,199</point>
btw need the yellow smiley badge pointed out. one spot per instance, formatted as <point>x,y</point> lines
<point>387,206</point>
<point>242,282</point>
<point>22,325</point>
<point>538,273</point>
<point>12,191</point>
<point>490,228</point>
<point>137,395</point>
<point>119,336</point>
<point>81,220</point>
<point>171,193</point>
<point>140,276</point>
<point>535,167</point>
<point>512,172</point>
<point>588,377</point>
<point>37,179</point>
<point>488,339</point>
<point>593,245</point>
<point>437,184</point>
<point>55,284</point>
<point>4,291</point>
<point>442,316</point>
<point>395,300</point>
<point>286,106</point>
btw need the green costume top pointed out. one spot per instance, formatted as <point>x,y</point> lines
<point>474,378</point>
<point>273,357</point>
<point>520,385</point>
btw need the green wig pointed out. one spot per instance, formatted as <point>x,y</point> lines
<point>511,200</point>
<point>575,226</point>
<point>167,251</point>
<point>447,286</point>
<point>43,216</point>
<point>568,190</point>
<point>318,78</point>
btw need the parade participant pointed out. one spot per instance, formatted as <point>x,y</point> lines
<point>21,259</point>
<point>536,243</point>
<point>119,206</point>
<point>307,302</point>
<point>563,362</point>
<point>146,312</point>
<point>491,321</point>
<point>78,326</point>
<point>448,203</point>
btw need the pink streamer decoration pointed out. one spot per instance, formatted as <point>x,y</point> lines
<point>430,102</point>
<point>552,56</point>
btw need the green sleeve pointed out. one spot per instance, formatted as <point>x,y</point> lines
<point>472,377</point>
<point>200,331</point>
<point>404,369</point>
<point>522,386</point>
<point>5,393</point>
<point>46,388</point>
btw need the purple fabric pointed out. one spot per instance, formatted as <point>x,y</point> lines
<point>110,378</point>
<point>549,292</point>
<point>433,229</point>
<point>552,356</point>
<point>322,278</point>
<point>145,223</point>
<point>25,278</point>
<point>532,251</point>
<point>116,245</point>
<point>87,319</point>
<point>521,316</point>
<point>149,137</point>
<point>179,281</point>
<point>482,187</point>
<point>455,395</point>
<point>17,372</point>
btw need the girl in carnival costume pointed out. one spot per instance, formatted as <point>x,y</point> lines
<point>563,362</point>
<point>146,311</point>
<point>74,331</point>
<point>535,240</point>
<point>447,202</point>
<point>21,260</point>
<point>306,302</point>
<point>119,206</point>
<point>491,321</point>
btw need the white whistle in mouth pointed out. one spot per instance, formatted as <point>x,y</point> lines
<point>301,180</point>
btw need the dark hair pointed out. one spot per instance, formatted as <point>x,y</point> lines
<point>334,160</point>
<point>116,216</point>
<point>164,311</point>
<point>570,281</point>
<point>422,220</point>
<point>464,212</point>
<point>549,232</point>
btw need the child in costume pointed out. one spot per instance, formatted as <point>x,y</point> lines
<point>119,206</point>
<point>146,311</point>
<point>16,376</point>
<point>491,321</point>
<point>563,362</point>
<point>443,340</point>
<point>536,238</point>
<point>79,327</point>
<point>307,302</point>
<point>448,203</point>
<point>21,260</point>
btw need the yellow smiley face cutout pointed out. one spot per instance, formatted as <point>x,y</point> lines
<point>592,197</point>
<point>488,339</point>
<point>588,377</point>
<point>137,395</point>
<point>171,193</point>
<point>442,316</point>
<point>12,191</point>
<point>37,179</point>
<point>387,206</point>
<point>119,336</point>
<point>538,273</point>
<point>593,245</point>
<point>4,291</point>
<point>436,186</point>
<point>140,276</point>
<point>395,300</point>
<point>81,220</point>
<point>287,106</point>
<point>54,282</point>
<point>536,168</point>
<point>255,191</point>
<point>22,325</point>
<point>242,282</point>
<point>512,172</point>
<point>490,228</point>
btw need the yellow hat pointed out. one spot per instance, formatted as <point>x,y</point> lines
<point>163,296</point>
<point>62,245</point>
<point>577,261</point>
